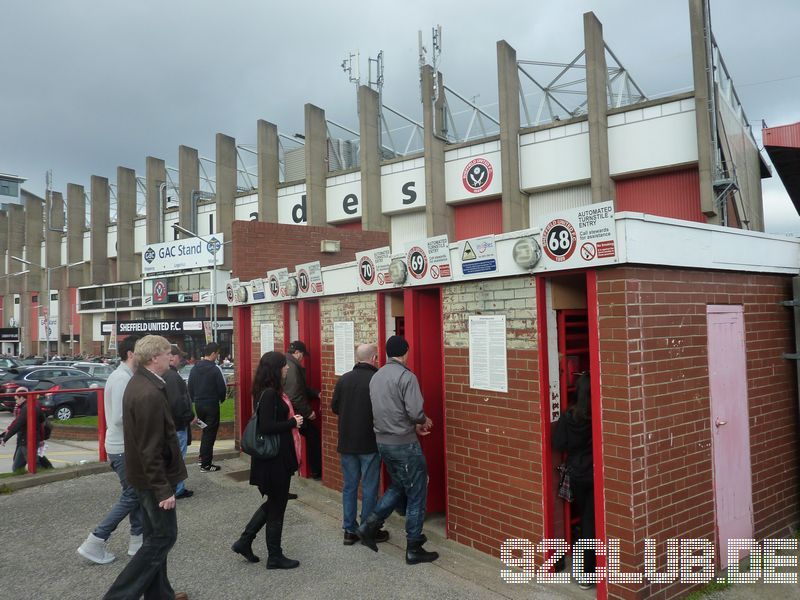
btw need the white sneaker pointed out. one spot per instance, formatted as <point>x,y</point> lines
<point>134,544</point>
<point>95,550</point>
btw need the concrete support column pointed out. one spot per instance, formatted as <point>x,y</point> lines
<point>369,126</point>
<point>156,175</point>
<point>16,246</point>
<point>76,225</point>
<point>439,216</point>
<point>54,219</point>
<point>316,155</point>
<point>5,299</point>
<point>87,323</point>
<point>98,243</point>
<point>701,69</point>
<point>34,236</point>
<point>515,204</point>
<point>126,219</point>
<point>268,172</point>
<point>189,184</point>
<point>226,191</point>
<point>597,106</point>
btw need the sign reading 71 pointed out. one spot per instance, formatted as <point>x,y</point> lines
<point>559,240</point>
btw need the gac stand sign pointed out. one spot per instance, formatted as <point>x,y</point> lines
<point>189,253</point>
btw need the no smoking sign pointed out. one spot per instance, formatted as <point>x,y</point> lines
<point>588,251</point>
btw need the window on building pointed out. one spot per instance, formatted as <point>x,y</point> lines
<point>16,300</point>
<point>211,223</point>
<point>35,299</point>
<point>54,296</point>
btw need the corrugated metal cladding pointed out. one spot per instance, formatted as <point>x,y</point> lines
<point>294,161</point>
<point>541,204</point>
<point>786,136</point>
<point>352,226</point>
<point>675,194</point>
<point>408,227</point>
<point>481,218</point>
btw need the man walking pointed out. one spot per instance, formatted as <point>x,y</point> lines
<point>154,467</point>
<point>398,416</point>
<point>207,389</point>
<point>357,449</point>
<point>181,405</point>
<point>95,546</point>
<point>299,393</point>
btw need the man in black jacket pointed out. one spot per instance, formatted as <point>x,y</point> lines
<point>207,389</point>
<point>299,394</point>
<point>357,449</point>
<point>181,405</point>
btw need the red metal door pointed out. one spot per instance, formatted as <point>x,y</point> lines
<point>423,328</point>
<point>730,428</point>
<point>308,326</point>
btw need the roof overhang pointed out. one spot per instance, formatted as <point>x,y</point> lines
<point>783,147</point>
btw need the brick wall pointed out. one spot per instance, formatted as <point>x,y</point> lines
<point>361,309</point>
<point>493,442</point>
<point>261,314</point>
<point>259,247</point>
<point>656,407</point>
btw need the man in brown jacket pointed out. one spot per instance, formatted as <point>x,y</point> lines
<point>154,466</point>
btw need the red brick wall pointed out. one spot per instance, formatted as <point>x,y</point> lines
<point>656,407</point>
<point>259,247</point>
<point>493,439</point>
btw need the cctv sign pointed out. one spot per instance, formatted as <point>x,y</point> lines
<point>189,253</point>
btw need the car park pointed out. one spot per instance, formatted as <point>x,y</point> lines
<point>29,377</point>
<point>7,362</point>
<point>95,369</point>
<point>68,397</point>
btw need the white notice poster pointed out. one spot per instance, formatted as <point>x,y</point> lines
<point>344,352</point>
<point>267,338</point>
<point>487,353</point>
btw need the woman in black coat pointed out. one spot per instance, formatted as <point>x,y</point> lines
<point>272,476</point>
<point>573,435</point>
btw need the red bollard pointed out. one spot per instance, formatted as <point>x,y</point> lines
<point>32,406</point>
<point>101,425</point>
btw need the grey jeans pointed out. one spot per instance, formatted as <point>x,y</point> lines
<point>127,505</point>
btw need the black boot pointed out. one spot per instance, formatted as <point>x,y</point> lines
<point>415,553</point>
<point>366,532</point>
<point>244,545</point>
<point>276,558</point>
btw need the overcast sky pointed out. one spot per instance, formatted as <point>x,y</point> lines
<point>89,85</point>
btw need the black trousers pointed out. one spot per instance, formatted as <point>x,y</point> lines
<point>583,505</point>
<point>313,446</point>
<point>146,573</point>
<point>208,412</point>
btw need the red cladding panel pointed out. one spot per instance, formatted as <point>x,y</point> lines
<point>352,226</point>
<point>785,136</point>
<point>675,194</point>
<point>483,218</point>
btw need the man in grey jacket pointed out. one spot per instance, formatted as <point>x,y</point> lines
<point>95,546</point>
<point>398,417</point>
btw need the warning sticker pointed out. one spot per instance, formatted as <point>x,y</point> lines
<point>478,256</point>
<point>468,253</point>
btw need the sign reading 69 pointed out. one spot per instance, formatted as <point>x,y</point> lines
<point>417,262</point>
<point>559,240</point>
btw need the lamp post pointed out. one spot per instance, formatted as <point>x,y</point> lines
<point>49,295</point>
<point>213,249</point>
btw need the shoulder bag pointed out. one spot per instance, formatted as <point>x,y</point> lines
<point>257,444</point>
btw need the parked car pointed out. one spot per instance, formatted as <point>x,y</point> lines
<point>94,369</point>
<point>29,377</point>
<point>63,400</point>
<point>32,361</point>
<point>7,362</point>
<point>60,363</point>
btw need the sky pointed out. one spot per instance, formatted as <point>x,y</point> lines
<point>90,85</point>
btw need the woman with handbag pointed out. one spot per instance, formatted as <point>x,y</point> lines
<point>573,435</point>
<point>276,422</point>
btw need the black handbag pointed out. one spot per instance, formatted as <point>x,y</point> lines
<point>257,444</point>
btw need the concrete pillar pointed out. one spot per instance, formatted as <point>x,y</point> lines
<point>439,216</point>
<point>597,106</point>
<point>515,204</point>
<point>156,175</point>
<point>316,155</point>
<point>5,299</point>
<point>126,219</point>
<point>87,323</point>
<point>34,236</point>
<point>369,126</point>
<point>702,108</point>
<point>188,186</point>
<point>226,191</point>
<point>76,225</point>
<point>268,172</point>
<point>54,207</point>
<point>16,245</point>
<point>98,243</point>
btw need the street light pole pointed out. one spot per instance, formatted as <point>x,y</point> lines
<point>213,249</point>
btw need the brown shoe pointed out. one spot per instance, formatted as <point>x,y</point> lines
<point>181,596</point>
<point>350,538</point>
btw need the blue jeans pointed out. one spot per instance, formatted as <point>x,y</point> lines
<point>146,573</point>
<point>409,473</point>
<point>126,506</point>
<point>366,469</point>
<point>183,444</point>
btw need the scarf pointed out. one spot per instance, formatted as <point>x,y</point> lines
<point>295,431</point>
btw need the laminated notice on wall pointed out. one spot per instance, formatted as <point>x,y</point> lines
<point>267,338</point>
<point>343,347</point>
<point>487,353</point>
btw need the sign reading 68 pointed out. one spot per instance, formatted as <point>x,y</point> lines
<point>559,240</point>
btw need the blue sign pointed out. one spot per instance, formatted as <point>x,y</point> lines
<point>479,266</point>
